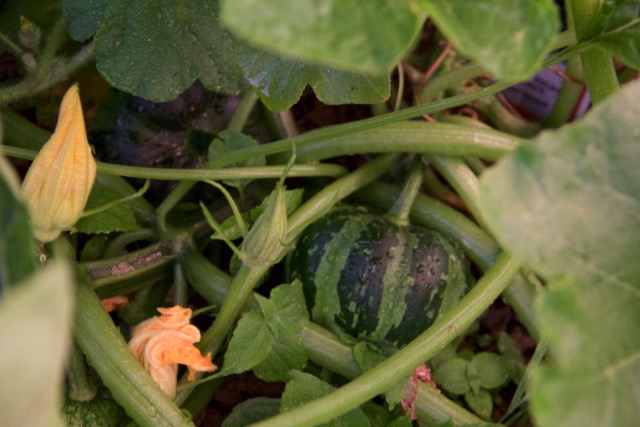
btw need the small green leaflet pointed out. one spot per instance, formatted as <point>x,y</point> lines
<point>156,49</point>
<point>616,28</point>
<point>119,217</point>
<point>280,80</point>
<point>506,37</point>
<point>267,340</point>
<point>568,204</point>
<point>366,37</point>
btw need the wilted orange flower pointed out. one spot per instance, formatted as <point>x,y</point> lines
<point>61,176</point>
<point>114,303</point>
<point>160,343</point>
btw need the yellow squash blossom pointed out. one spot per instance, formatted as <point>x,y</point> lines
<point>60,178</point>
<point>160,343</point>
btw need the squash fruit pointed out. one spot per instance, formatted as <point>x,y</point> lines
<point>367,278</point>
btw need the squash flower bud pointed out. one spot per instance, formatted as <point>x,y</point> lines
<point>160,343</point>
<point>61,176</point>
<point>265,240</point>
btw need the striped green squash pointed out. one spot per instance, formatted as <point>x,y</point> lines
<point>368,278</point>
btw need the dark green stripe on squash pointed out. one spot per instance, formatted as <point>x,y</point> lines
<point>367,277</point>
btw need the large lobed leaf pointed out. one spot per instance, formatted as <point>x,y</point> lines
<point>616,28</point>
<point>507,37</point>
<point>568,203</point>
<point>157,49</point>
<point>281,80</point>
<point>367,36</point>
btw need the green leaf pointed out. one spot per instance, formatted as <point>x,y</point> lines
<point>287,352</point>
<point>84,16</point>
<point>157,49</point>
<point>251,411</point>
<point>567,203</point>
<point>119,217</point>
<point>251,343</point>
<point>35,324</point>
<point>231,140</point>
<point>616,29</point>
<point>506,37</point>
<point>452,376</point>
<point>492,370</point>
<point>367,356</point>
<point>42,14</point>
<point>267,339</point>
<point>280,81</point>
<point>512,357</point>
<point>304,388</point>
<point>480,402</point>
<point>368,37</point>
<point>17,248</point>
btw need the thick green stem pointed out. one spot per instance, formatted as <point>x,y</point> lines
<point>460,176</point>
<point>400,365</point>
<point>80,387</point>
<point>131,271</point>
<point>401,209</point>
<point>169,174</point>
<point>241,288</point>
<point>569,96</point>
<point>106,351</point>
<point>597,65</point>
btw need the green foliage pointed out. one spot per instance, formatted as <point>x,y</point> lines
<point>368,37</point>
<point>119,217</point>
<point>280,80</point>
<point>251,411</point>
<point>17,248</point>
<point>508,38</point>
<point>473,378</point>
<point>567,203</point>
<point>616,29</point>
<point>230,140</point>
<point>303,388</point>
<point>35,324</point>
<point>267,340</point>
<point>157,49</point>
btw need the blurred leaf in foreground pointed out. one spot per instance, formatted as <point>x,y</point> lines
<point>568,203</point>
<point>507,37</point>
<point>367,36</point>
<point>616,28</point>
<point>35,325</point>
<point>17,248</point>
